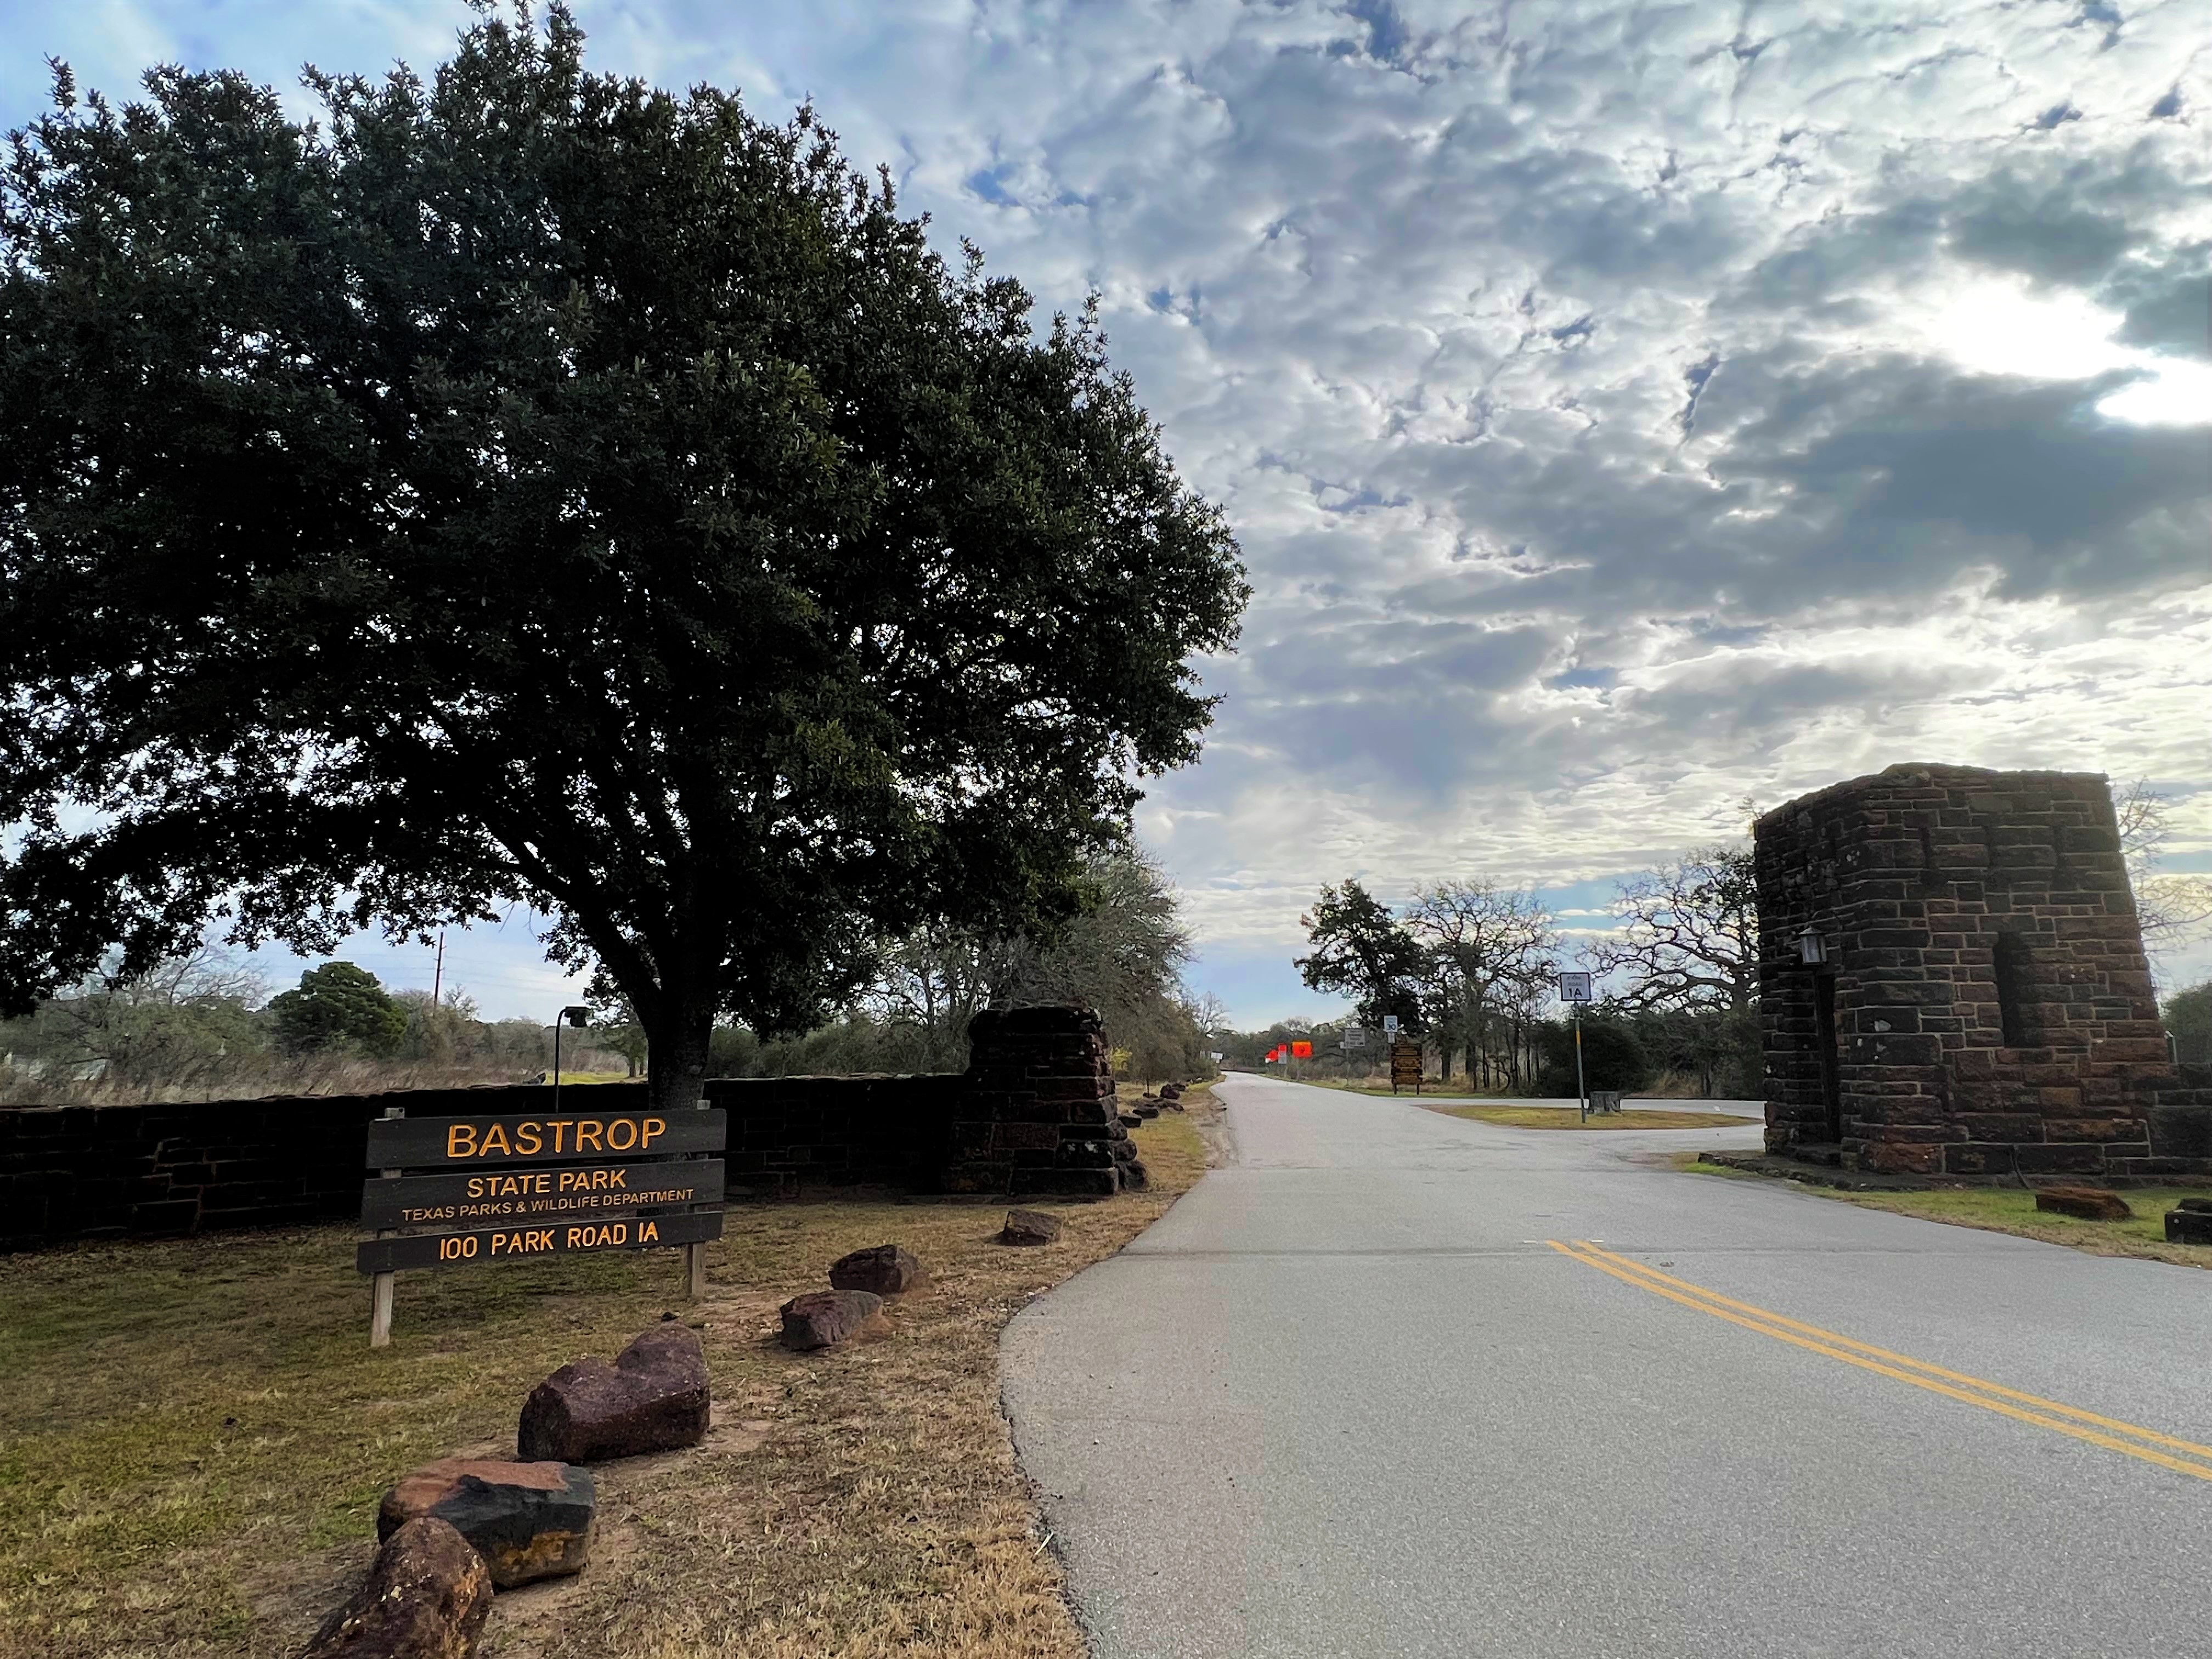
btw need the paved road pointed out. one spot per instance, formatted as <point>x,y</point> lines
<point>1344,1399</point>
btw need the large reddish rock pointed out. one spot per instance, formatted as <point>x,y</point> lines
<point>528,1521</point>
<point>1030,1227</point>
<point>654,1398</point>
<point>821,1319</point>
<point>886,1270</point>
<point>427,1596</point>
<point>2089,1203</point>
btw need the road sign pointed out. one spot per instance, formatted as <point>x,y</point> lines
<point>1389,1025</point>
<point>455,1190</point>
<point>1576,988</point>
<point>1355,1038</point>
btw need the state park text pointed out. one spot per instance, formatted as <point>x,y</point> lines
<point>540,1194</point>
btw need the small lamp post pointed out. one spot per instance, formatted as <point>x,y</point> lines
<point>1811,949</point>
<point>577,1016</point>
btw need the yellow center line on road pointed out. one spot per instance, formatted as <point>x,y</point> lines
<point>1595,1249</point>
<point>1921,1375</point>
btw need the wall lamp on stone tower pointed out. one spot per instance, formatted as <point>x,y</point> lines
<point>1811,949</point>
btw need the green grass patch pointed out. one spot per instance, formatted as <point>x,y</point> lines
<point>1567,1117</point>
<point>1694,1164</point>
<point>2012,1210</point>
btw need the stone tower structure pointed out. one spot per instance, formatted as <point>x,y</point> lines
<point>1951,981</point>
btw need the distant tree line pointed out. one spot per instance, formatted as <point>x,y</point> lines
<point>1469,967</point>
<point>1122,955</point>
<point>200,1026</point>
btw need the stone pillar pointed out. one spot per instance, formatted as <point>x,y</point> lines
<point>1986,995</point>
<point>1034,1113</point>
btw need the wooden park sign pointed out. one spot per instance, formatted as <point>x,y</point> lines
<point>455,1190</point>
<point>1404,1066</point>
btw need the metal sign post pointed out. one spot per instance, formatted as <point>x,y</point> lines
<point>1581,1090</point>
<point>1575,989</point>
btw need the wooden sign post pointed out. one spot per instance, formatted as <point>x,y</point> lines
<point>454,1191</point>
<point>1405,1065</point>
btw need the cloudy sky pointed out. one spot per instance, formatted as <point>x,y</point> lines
<point>1626,410</point>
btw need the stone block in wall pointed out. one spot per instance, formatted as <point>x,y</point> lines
<point>2110,1130</point>
<point>2065,1158</point>
<point>1891,1158</point>
<point>1978,1159</point>
<point>1023,1137</point>
<point>1085,1183</point>
<point>1016,1109</point>
<point>2181,1131</point>
<point>974,1178</point>
<point>2005,1127</point>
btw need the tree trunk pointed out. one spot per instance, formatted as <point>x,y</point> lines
<point>678,1043</point>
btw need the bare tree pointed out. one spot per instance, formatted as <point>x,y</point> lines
<point>1488,945</point>
<point>2173,910</point>
<point>174,1022</point>
<point>1689,934</point>
<point>1123,956</point>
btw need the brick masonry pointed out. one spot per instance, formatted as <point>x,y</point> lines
<point>1033,1115</point>
<point>1986,1008</point>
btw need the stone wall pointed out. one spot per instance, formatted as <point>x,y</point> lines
<point>1986,1008</point>
<point>1033,1115</point>
<point>154,1171</point>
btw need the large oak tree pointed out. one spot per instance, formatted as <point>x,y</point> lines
<point>523,484</point>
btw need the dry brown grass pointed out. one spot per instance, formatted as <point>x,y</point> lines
<point>265,1079</point>
<point>199,1436</point>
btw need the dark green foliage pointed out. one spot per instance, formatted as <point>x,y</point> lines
<point>2188,1016</point>
<point>1361,950</point>
<point>1718,1047</point>
<point>523,485</point>
<point>1612,1058</point>
<point>339,1005</point>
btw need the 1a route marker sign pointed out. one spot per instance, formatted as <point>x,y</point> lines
<point>453,1191</point>
<point>1575,989</point>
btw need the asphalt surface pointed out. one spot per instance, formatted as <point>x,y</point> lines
<point>1344,1399</point>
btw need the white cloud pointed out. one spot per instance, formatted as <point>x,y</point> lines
<point>1624,411</point>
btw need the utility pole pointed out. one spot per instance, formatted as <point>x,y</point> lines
<point>438,973</point>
